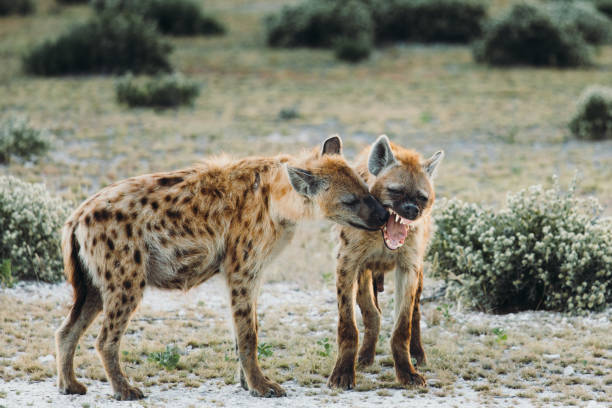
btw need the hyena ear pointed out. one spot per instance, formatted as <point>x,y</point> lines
<point>431,164</point>
<point>381,156</point>
<point>304,182</point>
<point>332,145</point>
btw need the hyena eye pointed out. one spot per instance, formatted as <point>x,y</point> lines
<point>422,197</point>
<point>395,191</point>
<point>350,201</point>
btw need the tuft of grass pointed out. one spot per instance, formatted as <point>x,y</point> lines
<point>6,275</point>
<point>264,350</point>
<point>500,335</point>
<point>161,92</point>
<point>168,359</point>
<point>325,346</point>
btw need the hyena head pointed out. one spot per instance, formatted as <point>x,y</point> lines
<point>403,183</point>
<point>335,190</point>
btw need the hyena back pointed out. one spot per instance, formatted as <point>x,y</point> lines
<point>175,230</point>
<point>403,182</point>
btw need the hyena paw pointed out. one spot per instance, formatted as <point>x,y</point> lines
<point>129,393</point>
<point>267,389</point>
<point>408,378</point>
<point>73,388</point>
<point>365,359</point>
<point>344,379</point>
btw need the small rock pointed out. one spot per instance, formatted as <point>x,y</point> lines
<point>569,370</point>
<point>551,356</point>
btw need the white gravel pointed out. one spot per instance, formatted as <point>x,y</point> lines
<point>20,393</point>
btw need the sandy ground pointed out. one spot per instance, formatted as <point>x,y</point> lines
<point>20,393</point>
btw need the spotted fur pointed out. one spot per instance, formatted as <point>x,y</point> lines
<point>175,230</point>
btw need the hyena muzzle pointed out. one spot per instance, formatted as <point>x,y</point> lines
<point>175,230</point>
<point>403,182</point>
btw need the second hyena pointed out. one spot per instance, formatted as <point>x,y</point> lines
<point>403,182</point>
<point>175,230</point>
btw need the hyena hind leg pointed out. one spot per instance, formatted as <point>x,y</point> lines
<point>118,308</point>
<point>85,309</point>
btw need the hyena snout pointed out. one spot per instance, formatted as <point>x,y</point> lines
<point>375,215</point>
<point>409,210</point>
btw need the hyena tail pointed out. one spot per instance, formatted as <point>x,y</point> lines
<point>73,269</point>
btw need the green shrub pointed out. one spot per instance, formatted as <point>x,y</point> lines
<point>162,92</point>
<point>604,6</point>
<point>22,7</point>
<point>546,250</point>
<point>593,117</point>
<point>18,139</point>
<point>69,2</point>
<point>167,359</point>
<point>528,35</point>
<point>445,21</point>
<point>30,223</point>
<point>174,17</point>
<point>594,26</point>
<point>108,43</point>
<point>353,49</point>
<point>320,23</point>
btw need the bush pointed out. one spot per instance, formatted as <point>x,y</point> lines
<point>546,250</point>
<point>22,7</point>
<point>604,6</point>
<point>30,223</point>
<point>108,43</point>
<point>163,92</point>
<point>353,49</point>
<point>446,21</point>
<point>69,2</point>
<point>320,23</point>
<point>593,117</point>
<point>528,35</point>
<point>594,26</point>
<point>18,139</point>
<point>174,17</point>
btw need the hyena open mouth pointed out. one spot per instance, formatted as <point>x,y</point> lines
<point>395,230</point>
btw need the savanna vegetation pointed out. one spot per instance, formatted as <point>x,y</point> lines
<point>514,94</point>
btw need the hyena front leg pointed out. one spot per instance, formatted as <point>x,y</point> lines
<point>371,318</point>
<point>407,285</point>
<point>243,301</point>
<point>118,308</point>
<point>416,347</point>
<point>85,309</point>
<point>343,375</point>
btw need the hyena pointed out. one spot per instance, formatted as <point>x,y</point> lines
<point>177,229</point>
<point>403,182</point>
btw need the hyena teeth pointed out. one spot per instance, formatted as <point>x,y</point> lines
<point>397,218</point>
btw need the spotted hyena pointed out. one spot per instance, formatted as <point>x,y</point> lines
<point>403,182</point>
<point>175,230</point>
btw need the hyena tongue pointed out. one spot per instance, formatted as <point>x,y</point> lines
<point>395,231</point>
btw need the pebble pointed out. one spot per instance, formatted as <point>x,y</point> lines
<point>569,370</point>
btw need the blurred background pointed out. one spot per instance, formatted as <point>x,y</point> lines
<point>96,91</point>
